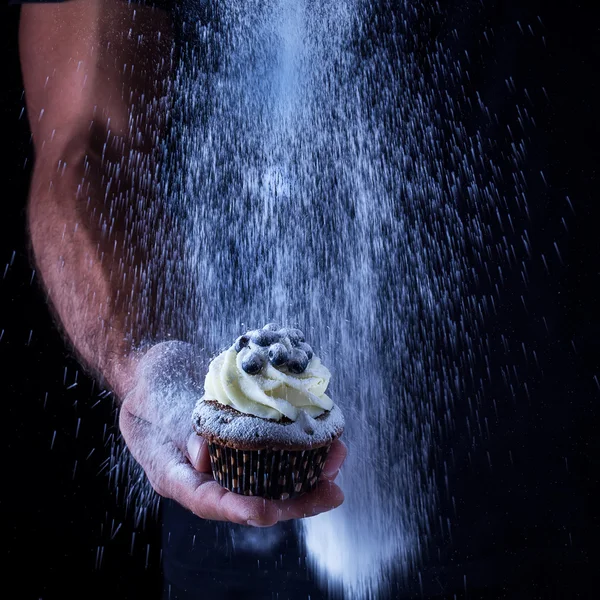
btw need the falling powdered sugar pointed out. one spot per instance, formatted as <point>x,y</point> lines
<point>226,426</point>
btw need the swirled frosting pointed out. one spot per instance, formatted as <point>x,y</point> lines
<point>271,394</point>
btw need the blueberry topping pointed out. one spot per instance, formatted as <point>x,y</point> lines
<point>280,346</point>
<point>241,342</point>
<point>278,355</point>
<point>253,363</point>
<point>298,361</point>
<point>264,337</point>
<point>306,348</point>
<point>296,336</point>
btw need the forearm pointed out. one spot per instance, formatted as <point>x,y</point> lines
<point>88,263</point>
<point>88,215</point>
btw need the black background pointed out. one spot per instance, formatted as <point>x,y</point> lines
<point>525,528</point>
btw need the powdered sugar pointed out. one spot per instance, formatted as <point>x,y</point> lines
<point>226,426</point>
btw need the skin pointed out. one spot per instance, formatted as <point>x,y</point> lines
<point>93,266</point>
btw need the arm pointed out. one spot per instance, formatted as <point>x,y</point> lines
<point>82,235</point>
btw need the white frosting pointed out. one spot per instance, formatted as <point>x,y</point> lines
<point>271,394</point>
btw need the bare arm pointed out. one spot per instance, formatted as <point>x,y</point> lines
<point>90,145</point>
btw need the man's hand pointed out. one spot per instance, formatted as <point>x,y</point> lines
<point>155,422</point>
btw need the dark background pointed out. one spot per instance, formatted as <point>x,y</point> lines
<point>524,528</point>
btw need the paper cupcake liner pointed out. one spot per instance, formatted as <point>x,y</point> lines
<point>273,474</point>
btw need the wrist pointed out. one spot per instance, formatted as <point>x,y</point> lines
<point>145,362</point>
<point>119,372</point>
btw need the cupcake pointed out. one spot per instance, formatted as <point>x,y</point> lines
<point>265,415</point>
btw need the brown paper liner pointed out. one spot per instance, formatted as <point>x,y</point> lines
<point>272,474</point>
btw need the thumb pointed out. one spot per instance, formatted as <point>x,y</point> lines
<point>198,455</point>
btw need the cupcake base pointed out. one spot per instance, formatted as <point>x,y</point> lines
<point>268,473</point>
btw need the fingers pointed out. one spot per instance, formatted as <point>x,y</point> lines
<point>221,504</point>
<point>198,455</point>
<point>191,484</point>
<point>335,459</point>
<point>326,496</point>
<point>173,476</point>
<point>202,495</point>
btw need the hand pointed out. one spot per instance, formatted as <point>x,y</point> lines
<point>155,421</point>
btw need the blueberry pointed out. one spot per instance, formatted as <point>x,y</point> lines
<point>253,363</point>
<point>295,335</point>
<point>298,361</point>
<point>264,337</point>
<point>271,327</point>
<point>306,348</point>
<point>241,342</point>
<point>278,355</point>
